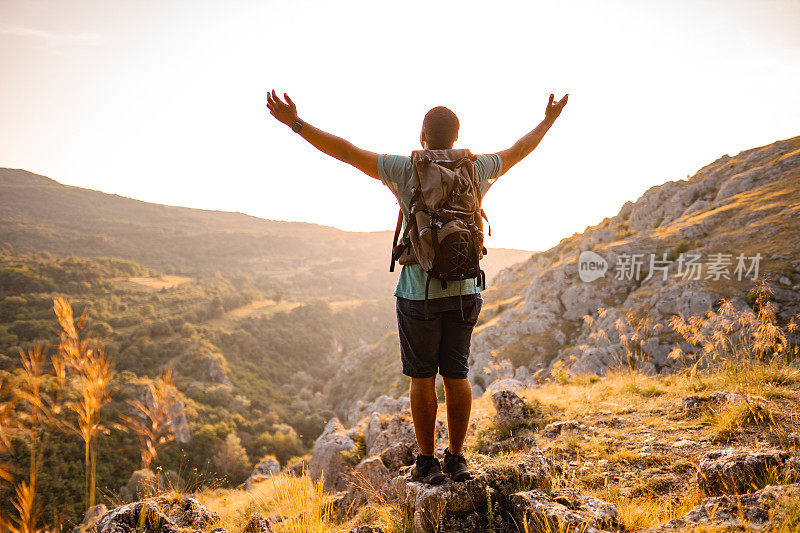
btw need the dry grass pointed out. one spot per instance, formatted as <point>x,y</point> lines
<point>153,419</point>
<point>302,505</point>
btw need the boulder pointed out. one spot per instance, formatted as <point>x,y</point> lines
<point>453,503</point>
<point>384,405</point>
<point>141,484</point>
<point>565,510</point>
<point>693,403</point>
<point>266,468</point>
<point>512,411</point>
<point>384,432</point>
<point>369,482</point>
<point>531,470</point>
<point>397,456</point>
<point>555,428</point>
<point>737,470</point>
<point>257,524</point>
<point>162,514</point>
<point>741,512</point>
<point>93,514</point>
<point>296,469</point>
<point>432,504</point>
<point>327,462</point>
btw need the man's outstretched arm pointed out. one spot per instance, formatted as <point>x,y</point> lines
<point>286,112</point>
<point>527,143</point>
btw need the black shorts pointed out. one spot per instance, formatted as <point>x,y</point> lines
<point>439,343</point>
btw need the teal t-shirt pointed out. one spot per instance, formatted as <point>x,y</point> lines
<point>395,173</point>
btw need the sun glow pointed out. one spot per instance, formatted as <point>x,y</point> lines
<point>164,102</point>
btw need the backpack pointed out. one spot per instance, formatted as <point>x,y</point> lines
<point>444,233</point>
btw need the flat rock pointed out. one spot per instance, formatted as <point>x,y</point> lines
<point>742,512</point>
<point>736,470</point>
<point>555,428</point>
<point>161,514</point>
<point>565,510</point>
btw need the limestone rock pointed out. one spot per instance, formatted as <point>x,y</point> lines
<point>431,504</point>
<point>694,402</point>
<point>161,514</point>
<point>266,468</point>
<point>743,512</point>
<point>565,510</point>
<point>512,411</point>
<point>734,470</point>
<point>555,428</point>
<point>366,529</point>
<point>369,482</point>
<point>326,458</point>
<point>397,456</point>
<point>93,514</point>
<point>453,502</point>
<point>257,524</point>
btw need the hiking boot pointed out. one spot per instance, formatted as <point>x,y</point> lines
<point>428,470</point>
<point>456,466</point>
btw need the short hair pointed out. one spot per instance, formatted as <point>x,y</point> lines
<point>440,128</point>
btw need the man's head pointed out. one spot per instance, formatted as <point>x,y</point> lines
<point>439,129</point>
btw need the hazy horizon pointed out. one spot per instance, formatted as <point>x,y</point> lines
<point>165,102</point>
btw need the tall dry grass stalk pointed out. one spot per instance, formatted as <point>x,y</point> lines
<point>32,418</point>
<point>749,349</point>
<point>629,334</point>
<point>88,363</point>
<point>304,504</point>
<point>153,418</point>
<point>7,427</point>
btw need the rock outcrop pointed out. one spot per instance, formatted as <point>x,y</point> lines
<point>512,411</point>
<point>327,461</point>
<point>161,514</point>
<point>266,468</point>
<point>738,470</point>
<point>455,503</point>
<point>735,204</point>
<point>740,512</point>
<point>564,510</point>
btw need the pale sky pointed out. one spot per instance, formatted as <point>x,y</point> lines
<point>164,101</point>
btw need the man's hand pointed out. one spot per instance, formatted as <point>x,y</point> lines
<point>554,109</point>
<point>527,143</point>
<point>285,112</point>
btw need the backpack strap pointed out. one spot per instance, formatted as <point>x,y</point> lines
<point>483,214</point>
<point>427,284</point>
<point>395,252</point>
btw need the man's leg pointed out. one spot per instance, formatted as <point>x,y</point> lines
<point>458,397</point>
<point>423,411</point>
<point>457,326</point>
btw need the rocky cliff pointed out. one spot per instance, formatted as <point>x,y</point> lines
<point>677,250</point>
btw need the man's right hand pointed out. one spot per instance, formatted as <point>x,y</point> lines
<point>554,109</point>
<point>285,112</point>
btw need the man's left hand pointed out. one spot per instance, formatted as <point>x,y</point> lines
<point>284,112</point>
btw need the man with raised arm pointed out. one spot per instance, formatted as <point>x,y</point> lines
<point>437,341</point>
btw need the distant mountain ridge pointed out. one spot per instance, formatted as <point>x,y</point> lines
<point>40,214</point>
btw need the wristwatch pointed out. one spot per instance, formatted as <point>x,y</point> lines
<point>297,126</point>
